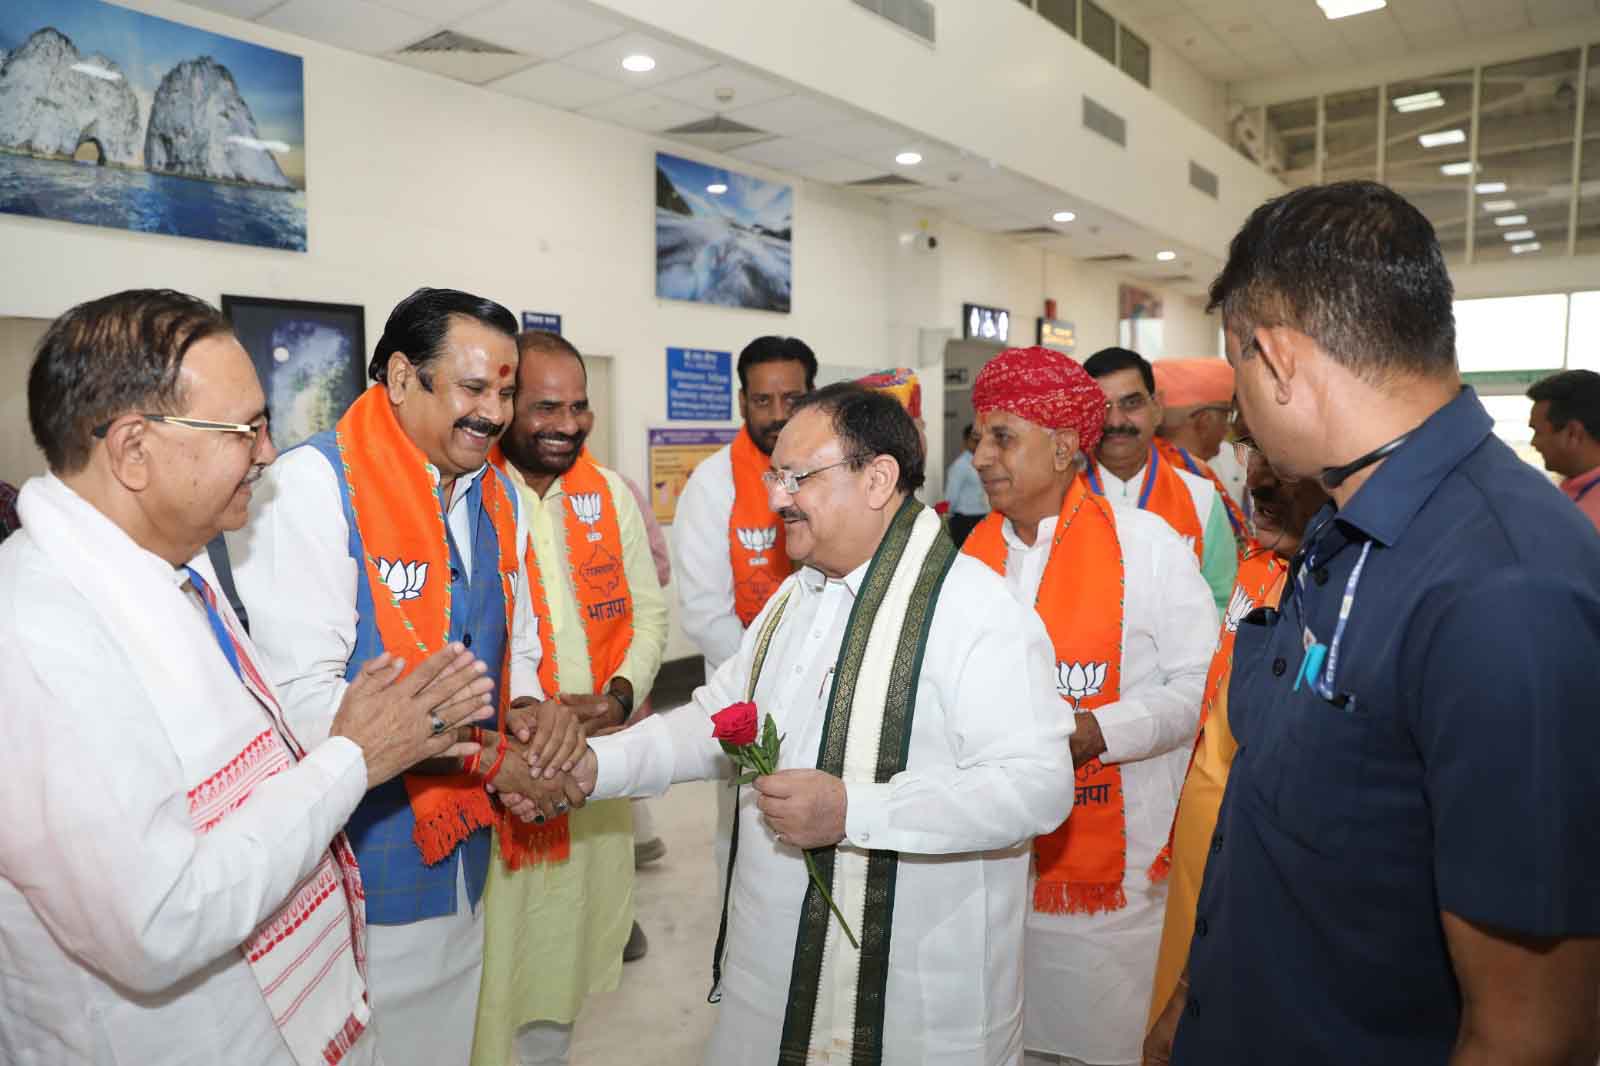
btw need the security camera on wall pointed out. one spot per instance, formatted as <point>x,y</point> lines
<point>926,242</point>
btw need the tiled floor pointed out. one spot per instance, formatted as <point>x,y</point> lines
<point>658,1016</point>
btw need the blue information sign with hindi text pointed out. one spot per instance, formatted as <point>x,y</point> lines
<point>699,385</point>
<point>542,320</point>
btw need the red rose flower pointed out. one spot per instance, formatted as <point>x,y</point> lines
<point>735,724</point>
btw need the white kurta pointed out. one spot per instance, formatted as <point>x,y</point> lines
<point>296,577</point>
<point>120,925</point>
<point>988,769</point>
<point>1089,976</point>
<point>701,567</point>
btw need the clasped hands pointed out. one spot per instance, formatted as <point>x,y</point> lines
<point>564,725</point>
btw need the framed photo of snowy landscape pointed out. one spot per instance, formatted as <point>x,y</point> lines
<point>110,117</point>
<point>721,237</point>
<point>311,359</point>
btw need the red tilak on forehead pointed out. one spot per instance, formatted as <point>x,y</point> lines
<point>505,368</point>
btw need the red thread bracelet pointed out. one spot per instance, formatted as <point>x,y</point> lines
<point>499,757</point>
<point>470,766</point>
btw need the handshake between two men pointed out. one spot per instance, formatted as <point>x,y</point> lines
<point>426,721</point>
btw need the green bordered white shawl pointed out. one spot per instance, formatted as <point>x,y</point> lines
<point>836,994</point>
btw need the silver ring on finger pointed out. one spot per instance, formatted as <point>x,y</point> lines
<point>563,807</point>
<point>436,724</point>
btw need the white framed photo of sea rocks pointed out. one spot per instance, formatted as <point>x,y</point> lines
<point>110,117</point>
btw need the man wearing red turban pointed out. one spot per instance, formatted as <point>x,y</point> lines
<point>1132,625</point>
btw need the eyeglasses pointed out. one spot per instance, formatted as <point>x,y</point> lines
<point>789,481</point>
<point>255,431</point>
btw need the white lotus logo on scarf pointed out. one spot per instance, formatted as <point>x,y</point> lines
<point>405,580</point>
<point>1077,681</point>
<point>756,541</point>
<point>1238,607</point>
<point>586,505</point>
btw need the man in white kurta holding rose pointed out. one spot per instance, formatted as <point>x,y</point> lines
<point>923,745</point>
<point>1132,627</point>
<point>175,884</point>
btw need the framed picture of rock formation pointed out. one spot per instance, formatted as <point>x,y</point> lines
<point>110,117</point>
<point>311,359</point>
<point>722,237</point>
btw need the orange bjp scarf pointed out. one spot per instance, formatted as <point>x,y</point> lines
<point>1080,866</point>
<point>755,535</point>
<point>1260,583</point>
<point>599,584</point>
<point>1164,493</point>
<point>394,496</point>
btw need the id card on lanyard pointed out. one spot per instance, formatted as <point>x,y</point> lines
<point>1319,667</point>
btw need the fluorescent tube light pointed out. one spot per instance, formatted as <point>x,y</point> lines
<point>1524,249</point>
<point>1493,206</point>
<point>1520,235</point>
<point>1511,220</point>
<point>1456,170</point>
<point>1418,101</point>
<point>1443,137</point>
<point>1489,188</point>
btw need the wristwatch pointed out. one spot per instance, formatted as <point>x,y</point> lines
<point>623,697</point>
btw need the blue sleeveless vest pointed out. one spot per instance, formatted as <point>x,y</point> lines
<point>400,888</point>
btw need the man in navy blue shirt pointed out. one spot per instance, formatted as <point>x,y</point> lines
<point>1405,869</point>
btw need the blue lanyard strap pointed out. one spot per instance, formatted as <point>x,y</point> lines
<point>218,630</point>
<point>1320,665</point>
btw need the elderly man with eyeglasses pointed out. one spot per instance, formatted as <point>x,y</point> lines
<point>175,883</point>
<point>1133,473</point>
<point>922,746</point>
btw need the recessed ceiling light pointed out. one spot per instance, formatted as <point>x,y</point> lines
<point>1418,101</point>
<point>1520,235</point>
<point>1456,170</point>
<point>1166,257</point>
<point>1511,220</point>
<point>1489,188</point>
<point>1499,205</point>
<point>908,159</point>
<point>716,188</point>
<point>1524,249</point>
<point>1064,216</point>
<point>1339,9</point>
<point>638,63</point>
<point>1443,137</point>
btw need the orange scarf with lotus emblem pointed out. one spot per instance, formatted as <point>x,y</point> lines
<point>1080,867</point>
<point>755,536</point>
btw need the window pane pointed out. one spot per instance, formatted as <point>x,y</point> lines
<point>1292,141</point>
<point>1511,333</point>
<point>1434,175</point>
<point>1583,335</point>
<point>1064,13</point>
<point>1135,57</point>
<point>1099,31</point>
<point>1350,136</point>
<point>1589,175</point>
<point>1526,114</point>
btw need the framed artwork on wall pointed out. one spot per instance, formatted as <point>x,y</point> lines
<point>722,237</point>
<point>311,358</point>
<point>111,117</point>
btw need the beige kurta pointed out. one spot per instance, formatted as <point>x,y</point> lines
<point>556,931</point>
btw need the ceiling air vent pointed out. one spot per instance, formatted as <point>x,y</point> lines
<point>1033,231</point>
<point>718,133</point>
<point>915,16</point>
<point>1120,258</point>
<point>1203,179</point>
<point>449,41</point>
<point>1104,121</point>
<point>468,59</point>
<point>883,181</point>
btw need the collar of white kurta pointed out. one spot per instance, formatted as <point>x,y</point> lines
<point>308,956</point>
<point>836,997</point>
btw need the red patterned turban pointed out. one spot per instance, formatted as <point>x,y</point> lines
<point>1044,387</point>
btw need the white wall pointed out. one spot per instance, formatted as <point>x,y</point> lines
<point>415,179</point>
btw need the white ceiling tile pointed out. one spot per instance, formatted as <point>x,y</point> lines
<point>1494,23</point>
<point>937,198</point>
<point>986,217</point>
<point>545,29</point>
<point>836,171</point>
<point>470,67</point>
<point>702,89</point>
<point>605,59</point>
<point>865,139</point>
<point>560,86</point>
<point>784,153</point>
<point>1555,12</point>
<point>791,115</point>
<point>645,111</point>
<point>242,9</point>
<point>438,12</point>
<point>359,25</point>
